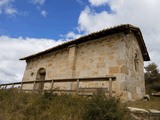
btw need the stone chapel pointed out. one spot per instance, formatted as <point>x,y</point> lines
<point>119,51</point>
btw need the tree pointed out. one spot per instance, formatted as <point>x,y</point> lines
<point>152,77</point>
<point>152,73</point>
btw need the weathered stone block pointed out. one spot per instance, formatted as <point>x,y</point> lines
<point>124,69</point>
<point>49,65</point>
<point>120,62</point>
<point>114,70</point>
<point>100,64</point>
<point>111,57</point>
<point>95,73</point>
<point>126,96</point>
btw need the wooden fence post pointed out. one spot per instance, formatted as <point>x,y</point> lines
<point>52,84</point>
<point>77,90</point>
<point>12,85</point>
<point>110,87</point>
<point>5,87</point>
<point>34,85</point>
<point>21,85</point>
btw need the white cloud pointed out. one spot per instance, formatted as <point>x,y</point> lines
<point>6,7</point>
<point>40,2</point>
<point>11,69</point>
<point>71,35</point>
<point>4,2</point>
<point>141,13</point>
<point>80,1</point>
<point>90,21</point>
<point>44,13</point>
<point>10,11</point>
<point>98,2</point>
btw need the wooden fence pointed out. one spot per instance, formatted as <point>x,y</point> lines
<point>78,90</point>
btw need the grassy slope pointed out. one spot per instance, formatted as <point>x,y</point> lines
<point>35,106</point>
<point>154,103</point>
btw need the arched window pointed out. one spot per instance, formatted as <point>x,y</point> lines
<point>40,76</point>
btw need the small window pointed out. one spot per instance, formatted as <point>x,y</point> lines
<point>32,74</point>
<point>136,64</point>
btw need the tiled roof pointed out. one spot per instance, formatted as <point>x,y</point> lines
<point>126,28</point>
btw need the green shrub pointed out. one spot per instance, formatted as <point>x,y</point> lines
<point>99,107</point>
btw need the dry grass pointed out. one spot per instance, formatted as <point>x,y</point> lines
<point>36,106</point>
<point>16,105</point>
<point>154,103</point>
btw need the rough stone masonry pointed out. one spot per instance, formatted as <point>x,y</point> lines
<point>118,51</point>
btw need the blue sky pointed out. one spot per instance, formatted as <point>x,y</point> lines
<point>30,26</point>
<point>61,17</point>
<point>29,22</point>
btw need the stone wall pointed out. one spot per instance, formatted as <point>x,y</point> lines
<point>134,83</point>
<point>112,55</point>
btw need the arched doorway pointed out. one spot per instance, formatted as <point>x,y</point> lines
<point>40,76</point>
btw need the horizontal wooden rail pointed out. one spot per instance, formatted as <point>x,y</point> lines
<point>53,81</point>
<point>61,80</point>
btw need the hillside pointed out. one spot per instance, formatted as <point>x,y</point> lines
<point>16,105</point>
